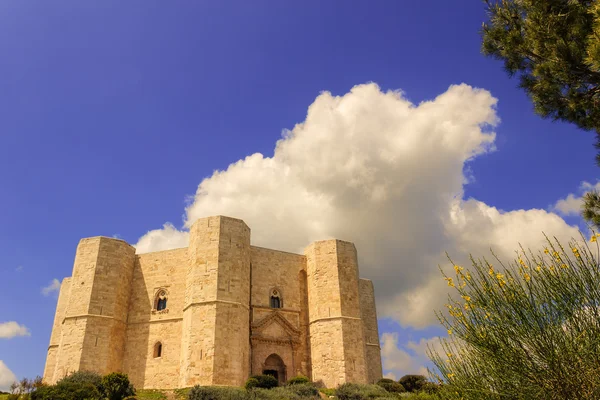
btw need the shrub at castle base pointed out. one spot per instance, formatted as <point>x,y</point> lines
<point>216,312</point>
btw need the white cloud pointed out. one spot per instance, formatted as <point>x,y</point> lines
<point>408,359</point>
<point>372,168</point>
<point>12,329</point>
<point>53,287</point>
<point>162,239</point>
<point>7,377</point>
<point>19,268</point>
<point>571,205</point>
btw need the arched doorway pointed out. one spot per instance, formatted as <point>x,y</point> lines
<point>274,366</point>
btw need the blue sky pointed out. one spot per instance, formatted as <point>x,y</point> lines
<point>112,113</point>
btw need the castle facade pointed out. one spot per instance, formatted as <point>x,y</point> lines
<point>216,312</point>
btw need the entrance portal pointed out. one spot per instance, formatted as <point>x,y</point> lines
<point>275,367</point>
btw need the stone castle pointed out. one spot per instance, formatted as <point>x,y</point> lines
<point>216,312</point>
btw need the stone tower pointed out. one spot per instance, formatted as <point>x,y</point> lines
<point>91,317</point>
<point>215,344</point>
<point>336,329</point>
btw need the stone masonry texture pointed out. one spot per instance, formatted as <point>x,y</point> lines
<point>232,310</point>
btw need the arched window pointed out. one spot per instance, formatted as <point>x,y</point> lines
<point>160,302</point>
<point>158,350</point>
<point>276,301</point>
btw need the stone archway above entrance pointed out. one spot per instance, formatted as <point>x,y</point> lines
<point>275,366</point>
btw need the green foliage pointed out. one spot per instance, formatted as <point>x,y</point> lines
<point>554,47</point>
<point>526,330</point>
<point>391,386</point>
<point>413,383</point>
<point>354,391</point>
<point>327,391</point>
<point>251,383</point>
<point>591,208</point>
<point>181,394</point>
<point>298,380</point>
<point>82,377</point>
<point>261,381</point>
<point>216,393</point>
<point>294,392</point>
<point>150,394</point>
<point>67,391</point>
<point>116,386</point>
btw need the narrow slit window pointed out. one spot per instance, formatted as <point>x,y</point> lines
<point>158,350</point>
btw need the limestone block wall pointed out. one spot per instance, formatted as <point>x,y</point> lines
<point>232,326</point>
<point>272,269</point>
<point>216,321</point>
<point>336,331</point>
<point>163,270</point>
<point>61,306</point>
<point>94,315</point>
<point>368,314</point>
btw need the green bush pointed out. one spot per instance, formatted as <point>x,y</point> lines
<point>116,386</point>
<point>67,391</point>
<point>413,383</point>
<point>262,381</point>
<point>298,380</point>
<point>216,393</point>
<point>150,394</point>
<point>354,391</point>
<point>293,392</point>
<point>82,377</point>
<point>304,390</point>
<point>251,383</point>
<point>327,391</point>
<point>391,386</point>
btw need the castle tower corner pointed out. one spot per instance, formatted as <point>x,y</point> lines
<point>336,328</point>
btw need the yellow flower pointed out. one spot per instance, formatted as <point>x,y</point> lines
<point>491,270</point>
<point>527,277</point>
<point>593,239</point>
<point>458,268</point>
<point>468,276</point>
<point>538,268</point>
<point>521,261</point>
<point>546,251</point>
<point>450,282</point>
<point>449,331</point>
<point>450,376</point>
<point>467,298</point>
<point>449,355</point>
<point>564,266</point>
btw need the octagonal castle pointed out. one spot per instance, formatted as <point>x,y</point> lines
<point>216,312</point>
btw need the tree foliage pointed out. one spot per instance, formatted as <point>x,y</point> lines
<point>116,386</point>
<point>413,383</point>
<point>554,48</point>
<point>527,330</point>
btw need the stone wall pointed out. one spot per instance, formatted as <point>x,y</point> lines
<point>153,272</point>
<point>336,333</point>
<point>93,319</point>
<point>368,314</point>
<point>284,272</point>
<point>61,306</point>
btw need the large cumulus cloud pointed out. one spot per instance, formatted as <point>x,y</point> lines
<point>375,169</point>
